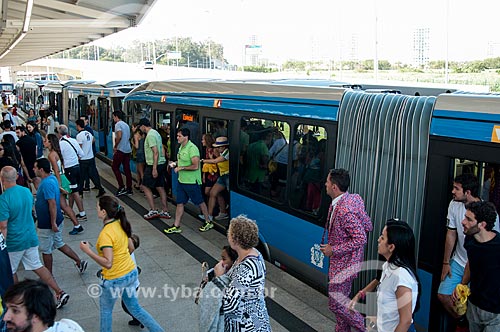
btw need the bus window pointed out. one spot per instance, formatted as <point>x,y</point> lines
<point>264,157</point>
<point>488,175</point>
<point>91,114</point>
<point>139,111</point>
<point>278,160</point>
<point>83,103</point>
<point>116,104</point>
<point>307,178</point>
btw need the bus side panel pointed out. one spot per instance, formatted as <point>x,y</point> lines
<point>281,230</point>
<point>109,141</point>
<point>422,315</point>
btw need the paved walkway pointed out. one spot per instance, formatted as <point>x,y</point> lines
<point>170,271</point>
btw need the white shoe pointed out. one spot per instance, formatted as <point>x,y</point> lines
<point>222,216</point>
<point>202,217</point>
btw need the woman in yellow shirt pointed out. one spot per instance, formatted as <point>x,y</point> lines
<point>118,269</point>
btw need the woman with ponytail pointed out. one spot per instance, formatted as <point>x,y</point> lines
<point>118,269</point>
<point>398,287</point>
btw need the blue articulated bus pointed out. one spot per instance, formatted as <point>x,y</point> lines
<point>28,95</point>
<point>97,102</point>
<point>55,98</point>
<point>402,152</point>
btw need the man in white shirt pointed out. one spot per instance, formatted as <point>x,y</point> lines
<point>87,162</point>
<point>71,153</point>
<point>121,156</point>
<point>7,130</point>
<point>9,116</point>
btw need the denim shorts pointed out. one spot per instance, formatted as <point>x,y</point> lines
<point>223,180</point>
<point>448,285</point>
<point>187,191</point>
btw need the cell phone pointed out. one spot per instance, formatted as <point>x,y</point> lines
<point>210,274</point>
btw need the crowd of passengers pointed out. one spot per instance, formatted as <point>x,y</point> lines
<point>41,183</point>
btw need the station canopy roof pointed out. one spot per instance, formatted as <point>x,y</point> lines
<point>32,29</point>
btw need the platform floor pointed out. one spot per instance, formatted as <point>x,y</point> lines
<point>171,263</point>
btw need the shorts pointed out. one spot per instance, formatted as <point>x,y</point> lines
<point>185,191</point>
<point>149,181</point>
<point>73,175</point>
<point>140,157</point>
<point>50,240</point>
<point>223,180</point>
<point>210,179</point>
<point>29,257</point>
<point>448,285</point>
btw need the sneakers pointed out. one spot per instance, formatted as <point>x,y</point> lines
<point>206,227</point>
<point>61,299</point>
<point>165,215</point>
<point>151,214</point>
<point>202,217</point>
<point>222,216</point>
<point>76,230</point>
<point>135,322</point>
<point>81,218</point>
<point>101,192</point>
<point>121,192</point>
<point>129,192</point>
<point>82,267</point>
<point>172,230</point>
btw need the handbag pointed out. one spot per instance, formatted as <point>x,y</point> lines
<point>272,165</point>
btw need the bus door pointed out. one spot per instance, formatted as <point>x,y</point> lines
<point>216,176</point>
<point>56,102</point>
<point>162,123</point>
<point>448,159</point>
<point>103,126</point>
<point>76,112</point>
<point>189,119</point>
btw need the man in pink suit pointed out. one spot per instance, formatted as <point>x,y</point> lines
<point>347,225</point>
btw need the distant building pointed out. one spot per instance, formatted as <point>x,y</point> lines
<point>353,50</point>
<point>493,49</point>
<point>253,51</point>
<point>421,47</point>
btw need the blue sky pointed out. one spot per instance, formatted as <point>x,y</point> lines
<point>322,29</point>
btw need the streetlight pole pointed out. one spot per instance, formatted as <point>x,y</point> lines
<point>154,52</point>
<point>209,55</point>
<point>176,50</point>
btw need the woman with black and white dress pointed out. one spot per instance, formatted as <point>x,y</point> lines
<point>243,302</point>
